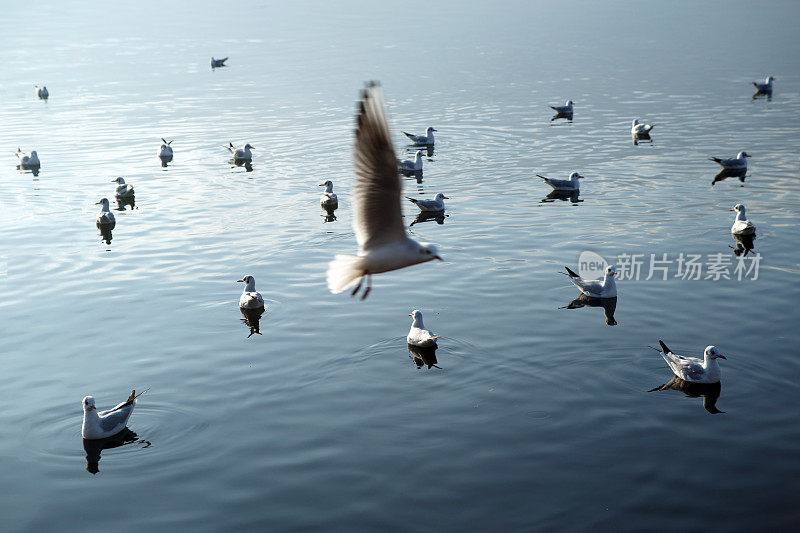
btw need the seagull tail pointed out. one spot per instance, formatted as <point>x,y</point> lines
<point>554,108</point>
<point>715,159</point>
<point>410,136</point>
<point>545,179</point>
<point>344,271</point>
<point>412,200</point>
<point>756,85</point>
<point>570,273</point>
<point>664,347</point>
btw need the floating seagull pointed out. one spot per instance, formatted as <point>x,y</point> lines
<point>411,166</point>
<point>218,62</point>
<point>250,298</point>
<point>241,154</point>
<point>377,216</point>
<point>765,87</point>
<point>418,335</point>
<point>42,92</point>
<point>572,184</point>
<point>426,139</point>
<point>565,109</point>
<point>741,226</point>
<point>738,162</point>
<point>123,190</point>
<point>437,204</point>
<point>166,149</point>
<point>640,129</point>
<point>107,423</point>
<point>604,288</point>
<point>328,197</point>
<point>27,161</point>
<point>105,217</point>
<point>692,369</point>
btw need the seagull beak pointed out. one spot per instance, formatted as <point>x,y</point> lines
<point>239,281</point>
<point>98,203</point>
<point>731,209</point>
<point>722,357</point>
<point>437,257</point>
<point>409,314</point>
<point>446,197</point>
<point>321,184</point>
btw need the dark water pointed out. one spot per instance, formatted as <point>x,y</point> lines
<point>538,417</point>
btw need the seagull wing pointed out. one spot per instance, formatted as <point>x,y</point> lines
<point>118,416</point>
<point>377,218</point>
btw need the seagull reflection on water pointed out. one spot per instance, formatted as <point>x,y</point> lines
<point>423,356</point>
<point>252,318</point>
<point>427,216</point>
<point>730,173</point>
<point>709,392</point>
<point>554,195</point>
<point>123,201</point>
<point>93,447</point>
<point>609,305</point>
<point>744,244</point>
<point>330,210</point>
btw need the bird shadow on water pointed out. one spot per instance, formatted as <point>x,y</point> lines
<point>165,160</point>
<point>248,165</point>
<point>641,138</point>
<point>330,209</point>
<point>609,306</point>
<point>423,356</point>
<point>105,231</point>
<point>562,115</point>
<point>744,244</point>
<point>33,169</point>
<point>428,216</point>
<point>94,447</point>
<point>416,174</point>
<point>763,95</point>
<point>124,201</point>
<point>730,173</point>
<point>427,149</point>
<point>571,196</point>
<point>252,319</point>
<point>708,391</point>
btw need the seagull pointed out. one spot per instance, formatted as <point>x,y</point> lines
<point>218,62</point>
<point>377,218</point>
<point>572,184</point>
<point>250,298</point>
<point>765,87</point>
<point>241,154</point>
<point>105,217</point>
<point>328,197</point>
<point>605,288</point>
<point>418,335</point>
<point>741,226</point>
<point>737,163</point>
<point>166,149</point>
<point>640,129</point>
<point>123,190</point>
<point>44,94</point>
<point>27,161</point>
<point>426,139</point>
<point>411,166</point>
<point>565,109</point>
<point>107,423</point>
<point>437,204</point>
<point>692,369</point>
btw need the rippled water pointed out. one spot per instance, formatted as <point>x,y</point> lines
<point>535,417</point>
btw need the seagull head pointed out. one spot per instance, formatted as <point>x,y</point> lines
<point>770,79</point>
<point>428,251</point>
<point>740,155</point>
<point>440,197</point>
<point>712,353</point>
<point>33,153</point>
<point>416,314</point>
<point>574,176</point>
<point>246,279</point>
<point>569,103</point>
<point>327,184</point>
<point>419,154</point>
<point>431,128</point>
<point>611,270</point>
<point>119,180</point>
<point>739,208</point>
<point>635,122</point>
<point>88,403</point>
<point>248,147</point>
<point>163,147</point>
<point>103,202</point>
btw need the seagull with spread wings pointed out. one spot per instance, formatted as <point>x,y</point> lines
<point>383,244</point>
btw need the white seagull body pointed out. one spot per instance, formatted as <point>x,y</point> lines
<point>765,87</point>
<point>241,154</point>
<point>741,226</point>
<point>737,163</point>
<point>250,298</point>
<point>123,190</point>
<point>166,149</point>
<point>411,166</point>
<point>328,197</point>
<point>105,216</point>
<point>601,288</point>
<point>572,184</point>
<point>377,216</point>
<point>418,335</point>
<point>425,140</point>
<point>565,109</point>
<point>100,425</point>
<point>42,92</point>
<point>27,161</point>
<point>692,369</point>
<point>218,62</point>
<point>437,204</point>
<point>638,129</point>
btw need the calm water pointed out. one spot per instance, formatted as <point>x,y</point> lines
<point>538,417</point>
